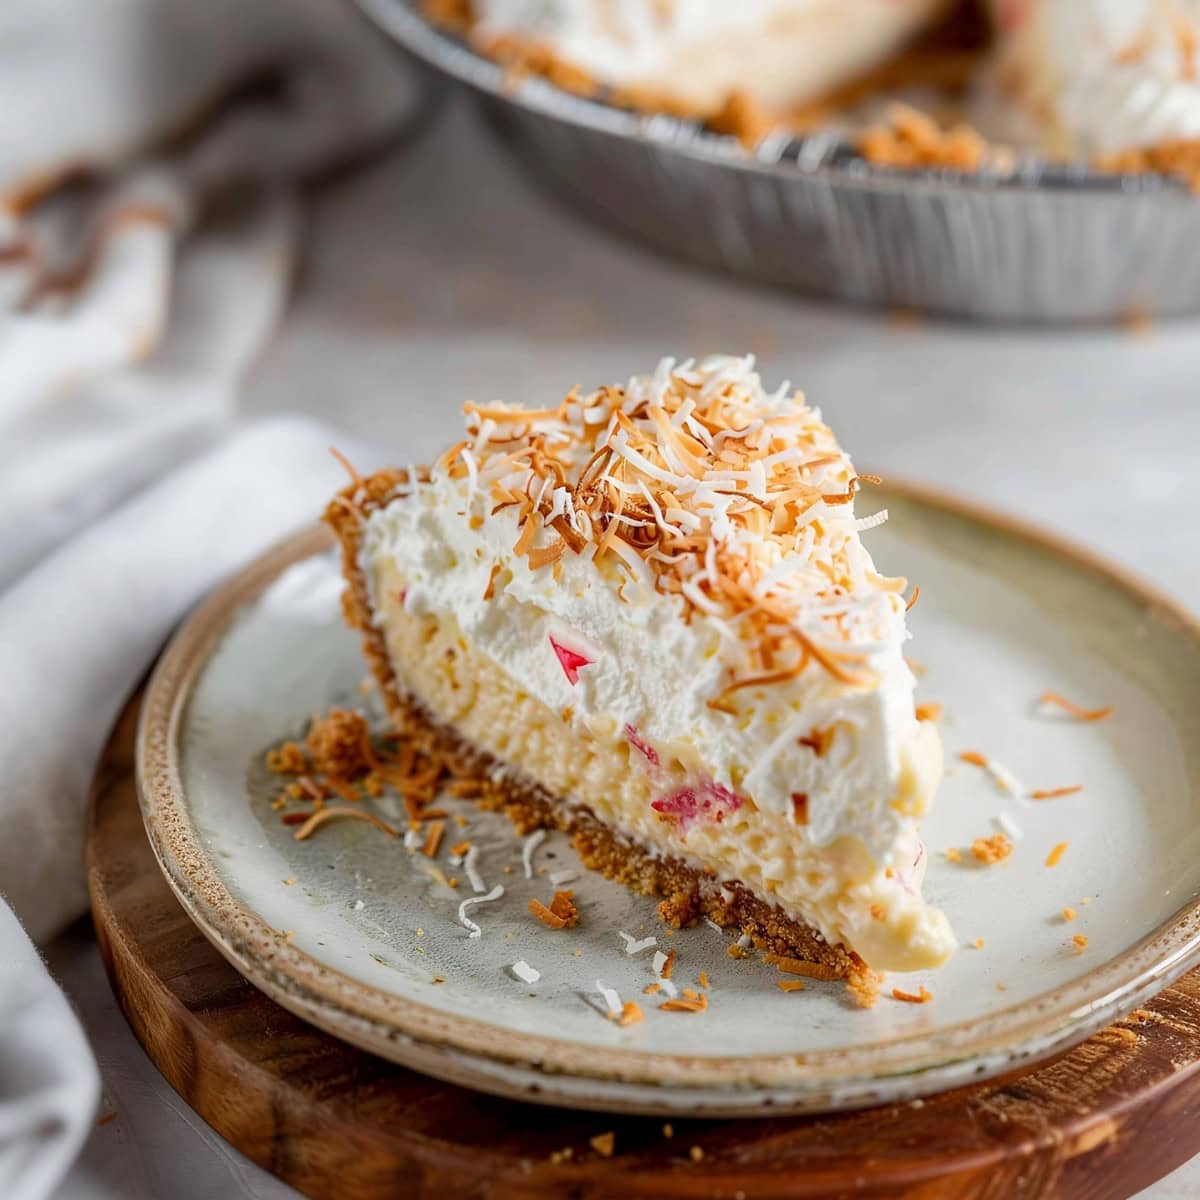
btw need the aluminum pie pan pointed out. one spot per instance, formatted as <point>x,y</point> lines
<point>1045,243</point>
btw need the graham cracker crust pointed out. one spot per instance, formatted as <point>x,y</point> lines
<point>687,894</point>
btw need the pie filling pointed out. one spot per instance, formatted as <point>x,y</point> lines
<point>874,909</point>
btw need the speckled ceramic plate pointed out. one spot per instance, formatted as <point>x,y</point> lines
<point>359,936</point>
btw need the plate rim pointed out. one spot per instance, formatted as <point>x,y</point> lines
<point>455,1047</point>
<point>1038,175</point>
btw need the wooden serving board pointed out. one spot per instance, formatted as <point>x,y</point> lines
<point>1099,1123</point>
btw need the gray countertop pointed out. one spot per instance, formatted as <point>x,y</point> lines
<point>441,275</point>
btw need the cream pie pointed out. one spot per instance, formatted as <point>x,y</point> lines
<point>648,614</point>
<point>1100,77</point>
<point>692,54</point>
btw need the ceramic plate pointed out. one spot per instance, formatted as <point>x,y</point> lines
<point>360,936</point>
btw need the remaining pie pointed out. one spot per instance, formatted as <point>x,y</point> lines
<point>647,611</point>
<point>1094,77</point>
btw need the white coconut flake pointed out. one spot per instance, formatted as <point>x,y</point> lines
<point>1007,825</point>
<point>558,878</point>
<point>471,866</point>
<point>610,997</point>
<point>532,842</point>
<point>713,925</point>
<point>358,906</point>
<point>745,942</point>
<point>470,902</point>
<point>524,972</point>
<point>1004,779</point>
<point>633,945</point>
<point>660,961</point>
<point>413,839</point>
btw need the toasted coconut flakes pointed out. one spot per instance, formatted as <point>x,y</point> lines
<point>735,951</point>
<point>490,590</point>
<point>953,854</point>
<point>1081,943</point>
<point>791,985</point>
<point>611,999</point>
<point>324,815</point>
<point>547,917</point>
<point>1053,699</point>
<point>800,966</point>
<point>633,945</point>
<point>471,866</point>
<point>433,839</point>
<point>918,669</point>
<point>470,902</point>
<point>913,598</point>
<point>696,1154</point>
<point>1069,914</point>
<point>651,988</point>
<point>1055,855</point>
<point>991,850</point>
<point>631,1014</point>
<point>691,1004</point>
<point>524,972</point>
<point>702,979</point>
<point>974,758</point>
<point>664,964</point>
<point>922,997</point>
<point>563,905</point>
<point>929,711</point>
<point>603,1144</point>
<point>558,878</point>
<point>699,484</point>
<point>532,842</point>
<point>1056,793</point>
<point>978,943</point>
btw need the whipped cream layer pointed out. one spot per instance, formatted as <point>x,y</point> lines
<point>782,51</point>
<point>1097,77</point>
<point>793,696</point>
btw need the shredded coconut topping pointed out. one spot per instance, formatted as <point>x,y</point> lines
<point>695,482</point>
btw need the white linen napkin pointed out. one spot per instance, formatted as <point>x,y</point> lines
<point>153,155</point>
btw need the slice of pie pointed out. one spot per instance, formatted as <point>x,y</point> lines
<point>647,611</point>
